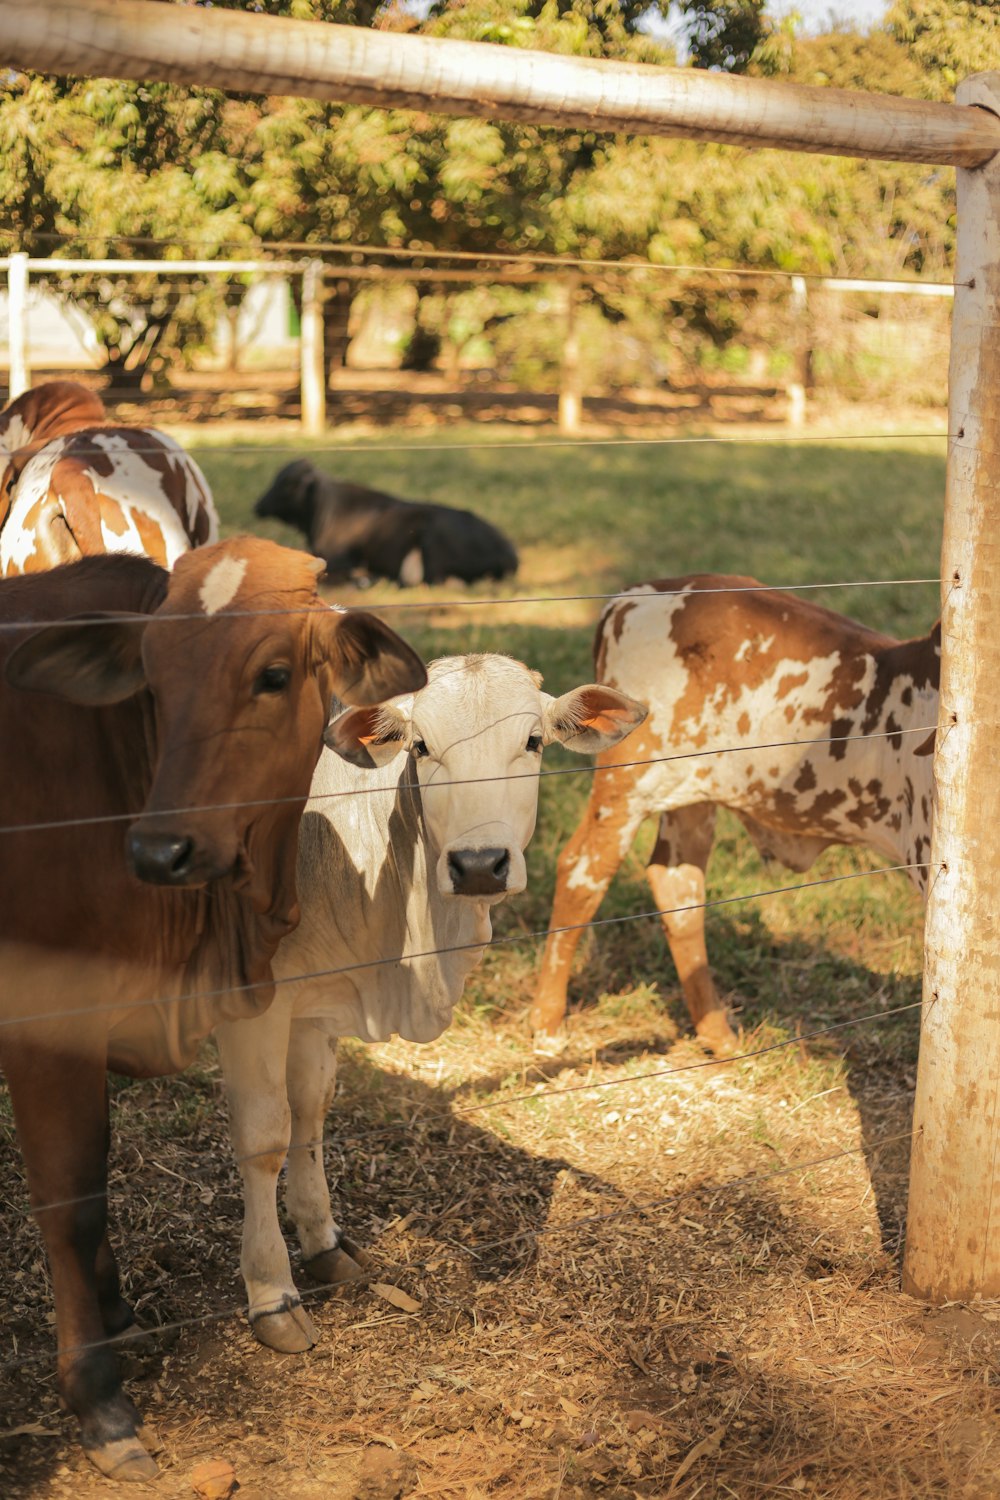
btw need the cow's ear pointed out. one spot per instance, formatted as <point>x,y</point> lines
<point>590,718</point>
<point>369,661</point>
<point>92,660</point>
<point>368,737</point>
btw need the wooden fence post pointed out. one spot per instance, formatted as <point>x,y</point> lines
<point>953,1233</point>
<point>17,305</point>
<point>801,355</point>
<point>312,364</point>
<point>570,399</point>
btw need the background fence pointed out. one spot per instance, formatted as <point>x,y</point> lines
<point>608,340</point>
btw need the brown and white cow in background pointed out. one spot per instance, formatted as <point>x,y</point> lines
<point>391,871</point>
<point>74,485</point>
<point>182,726</point>
<point>721,667</point>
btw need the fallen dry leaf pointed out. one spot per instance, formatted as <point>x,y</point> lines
<point>396,1296</point>
<point>706,1448</point>
<point>215,1479</point>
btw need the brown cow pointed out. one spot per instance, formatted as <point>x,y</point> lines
<point>725,667</point>
<point>75,486</point>
<point>182,725</point>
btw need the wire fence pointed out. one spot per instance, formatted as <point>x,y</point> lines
<point>789,355</point>
<point>325,973</point>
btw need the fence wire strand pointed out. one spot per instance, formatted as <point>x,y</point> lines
<point>474,1252</point>
<point>626,595</point>
<point>529,445</point>
<point>482,259</point>
<point>531,1097</point>
<point>417,786</point>
<point>126,1008</point>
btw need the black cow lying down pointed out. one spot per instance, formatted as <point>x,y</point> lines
<point>362,533</point>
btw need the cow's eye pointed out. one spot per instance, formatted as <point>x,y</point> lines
<point>534,743</point>
<point>272,680</point>
<point>420,749</point>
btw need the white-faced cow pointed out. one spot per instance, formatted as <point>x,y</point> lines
<point>76,486</point>
<point>363,534</point>
<point>164,726</point>
<point>397,876</point>
<point>725,668</point>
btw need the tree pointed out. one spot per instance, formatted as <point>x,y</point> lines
<point>949,39</point>
<point>724,34</point>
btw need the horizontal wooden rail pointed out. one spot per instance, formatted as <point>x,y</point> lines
<point>255,53</point>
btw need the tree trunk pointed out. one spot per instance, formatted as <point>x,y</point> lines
<point>336,324</point>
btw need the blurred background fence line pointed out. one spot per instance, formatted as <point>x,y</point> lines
<point>637,340</point>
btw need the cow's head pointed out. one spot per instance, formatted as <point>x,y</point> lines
<point>291,496</point>
<point>242,660</point>
<point>475,735</point>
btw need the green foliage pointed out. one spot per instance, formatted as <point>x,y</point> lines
<point>192,171</point>
<point>724,34</point>
<point>948,39</point>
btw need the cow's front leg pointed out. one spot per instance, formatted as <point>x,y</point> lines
<point>253,1062</point>
<point>312,1075</point>
<point>584,870</point>
<point>676,875</point>
<point>117,1315</point>
<point>60,1107</point>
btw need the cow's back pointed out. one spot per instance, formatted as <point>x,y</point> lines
<point>756,675</point>
<point>105,489</point>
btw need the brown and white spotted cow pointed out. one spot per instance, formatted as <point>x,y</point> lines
<point>74,486</point>
<point>725,667</point>
<point>48,411</point>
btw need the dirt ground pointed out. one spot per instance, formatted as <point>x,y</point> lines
<point>676,1285</point>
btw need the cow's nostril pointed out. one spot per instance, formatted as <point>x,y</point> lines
<point>161,858</point>
<point>479,872</point>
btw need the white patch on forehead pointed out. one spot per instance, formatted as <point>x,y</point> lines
<point>222,584</point>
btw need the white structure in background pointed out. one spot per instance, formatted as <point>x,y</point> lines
<point>62,337</point>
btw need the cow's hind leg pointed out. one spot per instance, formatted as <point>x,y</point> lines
<point>327,1255</point>
<point>59,1104</point>
<point>253,1062</point>
<point>584,871</point>
<point>676,875</point>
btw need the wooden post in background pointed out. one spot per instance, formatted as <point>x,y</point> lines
<point>953,1231</point>
<point>17,306</point>
<point>801,355</point>
<point>570,399</point>
<point>312,364</point>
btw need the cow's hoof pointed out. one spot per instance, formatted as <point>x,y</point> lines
<point>549,1043</point>
<point>356,1252</point>
<point>715,1033</point>
<point>288,1329</point>
<point>335,1267</point>
<point>124,1458</point>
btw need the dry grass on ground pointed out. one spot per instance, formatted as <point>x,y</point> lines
<point>692,1308</point>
